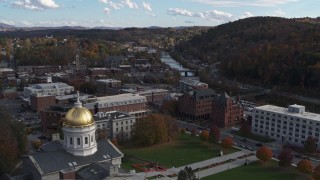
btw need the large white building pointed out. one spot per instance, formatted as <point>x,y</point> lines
<point>118,125</point>
<point>48,89</point>
<point>289,125</point>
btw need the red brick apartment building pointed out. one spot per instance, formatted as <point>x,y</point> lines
<point>41,101</point>
<point>196,104</point>
<point>108,87</point>
<point>52,116</point>
<point>226,112</point>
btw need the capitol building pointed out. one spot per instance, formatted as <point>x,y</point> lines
<point>78,155</point>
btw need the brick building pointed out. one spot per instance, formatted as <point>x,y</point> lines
<point>190,84</point>
<point>40,70</point>
<point>152,95</point>
<point>108,87</point>
<point>131,103</point>
<point>51,117</point>
<point>226,112</point>
<point>40,101</point>
<point>196,104</point>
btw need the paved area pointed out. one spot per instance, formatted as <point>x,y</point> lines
<point>206,172</point>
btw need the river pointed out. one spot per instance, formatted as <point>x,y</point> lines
<point>166,58</point>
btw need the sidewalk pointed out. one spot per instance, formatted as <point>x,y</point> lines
<point>206,172</point>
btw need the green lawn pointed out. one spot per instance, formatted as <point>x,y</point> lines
<point>256,171</point>
<point>184,150</point>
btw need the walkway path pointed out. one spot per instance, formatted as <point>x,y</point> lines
<point>206,172</point>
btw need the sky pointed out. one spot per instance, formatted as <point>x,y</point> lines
<point>146,13</point>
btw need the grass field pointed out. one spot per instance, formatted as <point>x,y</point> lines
<point>257,171</point>
<point>184,150</point>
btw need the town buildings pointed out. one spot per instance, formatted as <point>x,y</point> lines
<point>108,87</point>
<point>291,125</point>
<point>52,117</point>
<point>226,111</point>
<point>190,84</point>
<point>132,103</point>
<point>152,95</point>
<point>118,125</point>
<point>41,101</point>
<point>48,88</point>
<point>196,104</point>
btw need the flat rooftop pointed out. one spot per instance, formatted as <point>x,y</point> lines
<point>49,85</point>
<point>99,116</point>
<point>108,80</point>
<point>282,110</point>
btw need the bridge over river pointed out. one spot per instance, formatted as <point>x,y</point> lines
<point>166,58</point>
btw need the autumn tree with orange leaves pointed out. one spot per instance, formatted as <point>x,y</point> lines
<point>227,143</point>
<point>305,166</point>
<point>204,135</point>
<point>264,154</point>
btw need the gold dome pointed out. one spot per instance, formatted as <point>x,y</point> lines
<point>78,117</point>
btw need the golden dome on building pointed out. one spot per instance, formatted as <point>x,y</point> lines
<point>78,116</point>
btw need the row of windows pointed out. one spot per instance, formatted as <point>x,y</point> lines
<point>280,116</point>
<point>117,129</point>
<point>279,125</point>
<point>86,140</point>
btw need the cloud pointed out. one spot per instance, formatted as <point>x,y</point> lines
<point>237,3</point>
<point>246,15</point>
<point>212,15</point>
<point>115,5</point>
<point>147,6</point>
<point>106,10</point>
<point>278,13</point>
<point>178,11</point>
<point>130,4</point>
<point>36,4</point>
<point>104,1</point>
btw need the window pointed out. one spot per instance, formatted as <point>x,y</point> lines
<point>91,138</point>
<point>78,141</point>
<point>86,140</point>
<point>71,142</point>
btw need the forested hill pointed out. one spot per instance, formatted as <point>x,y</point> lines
<point>266,50</point>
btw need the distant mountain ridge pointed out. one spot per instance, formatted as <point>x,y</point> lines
<point>6,26</point>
